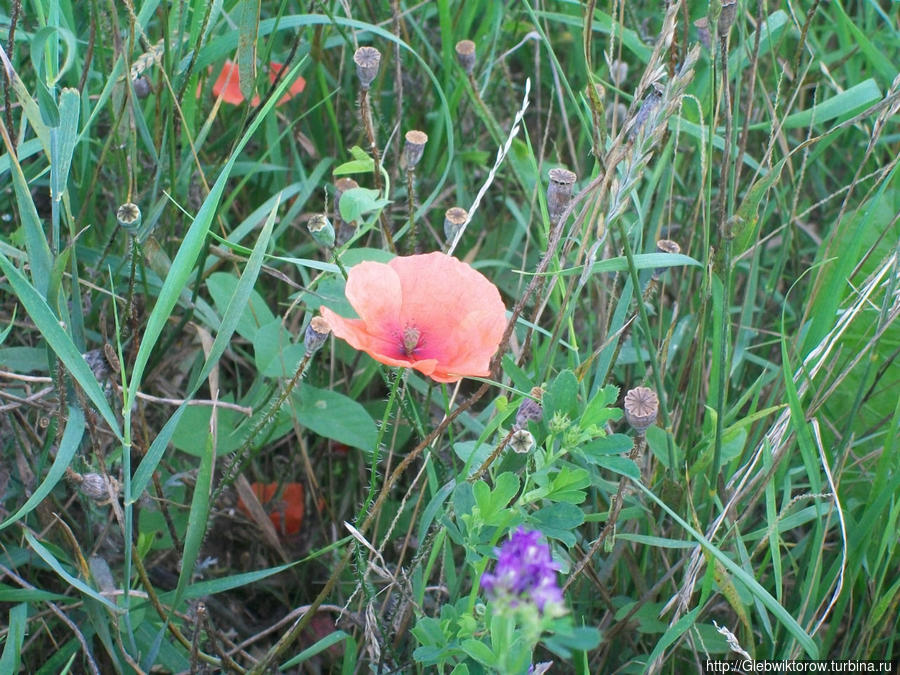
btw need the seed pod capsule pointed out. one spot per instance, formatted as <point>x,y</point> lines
<point>559,192</point>
<point>367,60</point>
<point>465,54</point>
<point>641,407</point>
<point>454,218</point>
<point>414,148</point>
<point>316,333</point>
<point>128,216</point>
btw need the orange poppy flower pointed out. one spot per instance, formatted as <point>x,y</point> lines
<point>287,513</point>
<point>227,85</point>
<point>430,312</point>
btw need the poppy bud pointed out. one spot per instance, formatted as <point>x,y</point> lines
<point>367,60</point>
<point>128,216</point>
<point>641,407</point>
<point>141,86</point>
<point>529,411</point>
<point>95,486</point>
<point>316,333</point>
<point>321,230</point>
<point>618,71</point>
<point>465,54</point>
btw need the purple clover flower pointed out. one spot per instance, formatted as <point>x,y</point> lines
<point>524,570</point>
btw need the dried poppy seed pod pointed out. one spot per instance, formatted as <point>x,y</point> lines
<point>321,230</point>
<point>559,192</point>
<point>641,407</point>
<point>727,17</point>
<point>316,333</point>
<point>128,216</point>
<point>141,86</point>
<point>344,229</point>
<point>367,60</point>
<point>97,363</point>
<point>95,486</point>
<point>521,441</point>
<point>414,148</point>
<point>454,218</point>
<point>665,246</point>
<point>702,26</point>
<point>465,54</point>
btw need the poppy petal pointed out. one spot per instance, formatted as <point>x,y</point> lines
<point>227,84</point>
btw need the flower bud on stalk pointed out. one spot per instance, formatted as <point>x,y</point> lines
<point>321,230</point>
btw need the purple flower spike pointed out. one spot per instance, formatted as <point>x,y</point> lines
<point>524,570</point>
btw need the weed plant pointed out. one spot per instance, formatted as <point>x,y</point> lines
<point>677,441</point>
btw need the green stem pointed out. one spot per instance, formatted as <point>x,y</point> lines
<point>651,352</point>
<point>376,451</point>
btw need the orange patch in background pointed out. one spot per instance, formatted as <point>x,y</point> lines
<point>286,512</point>
<point>227,84</point>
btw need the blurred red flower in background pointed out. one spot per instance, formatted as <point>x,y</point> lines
<point>287,512</point>
<point>227,84</point>
<point>430,312</point>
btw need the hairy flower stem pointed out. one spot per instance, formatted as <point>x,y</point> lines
<point>615,507</point>
<point>230,474</point>
<point>490,460</point>
<point>365,113</point>
<point>411,206</point>
<point>388,410</point>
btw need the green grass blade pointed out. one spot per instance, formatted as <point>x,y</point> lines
<point>15,636</point>
<point>36,245</point>
<point>59,341</point>
<point>55,565</point>
<point>191,246</point>
<point>232,316</point>
<point>197,519</point>
<point>780,613</point>
<point>68,446</point>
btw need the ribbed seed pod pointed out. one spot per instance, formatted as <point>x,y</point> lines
<point>367,60</point>
<point>641,407</point>
<point>414,148</point>
<point>128,216</point>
